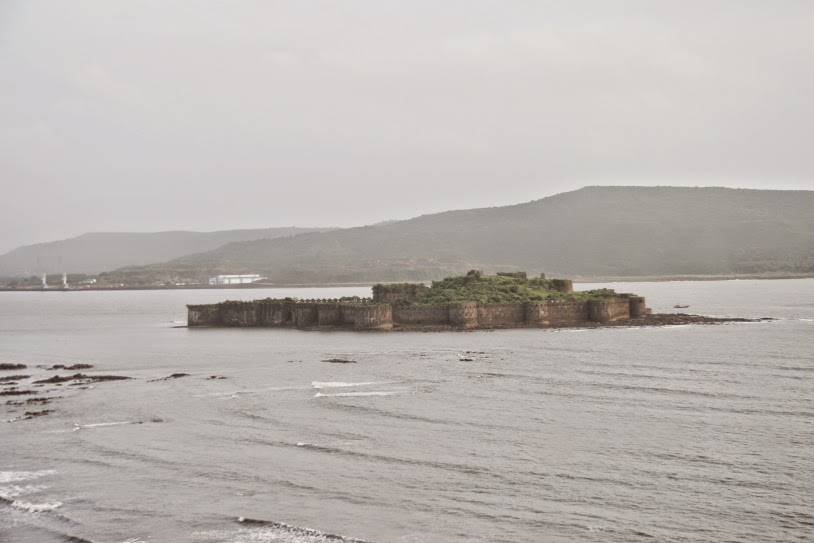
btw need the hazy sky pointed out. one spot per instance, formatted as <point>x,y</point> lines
<point>202,115</point>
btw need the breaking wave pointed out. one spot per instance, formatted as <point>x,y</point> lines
<point>15,476</point>
<point>260,531</point>
<point>9,492</point>
<point>32,507</point>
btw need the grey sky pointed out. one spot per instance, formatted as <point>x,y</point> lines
<point>153,115</point>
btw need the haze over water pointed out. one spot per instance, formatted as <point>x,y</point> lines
<point>696,433</point>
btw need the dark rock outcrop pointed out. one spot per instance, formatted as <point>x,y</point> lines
<point>81,377</point>
<point>13,378</point>
<point>173,376</point>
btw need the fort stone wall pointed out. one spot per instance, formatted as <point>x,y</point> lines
<point>203,315</point>
<point>240,315</point>
<point>637,307</point>
<point>501,314</point>
<point>567,312</point>
<point>304,315</point>
<point>273,314</point>
<point>620,308</point>
<point>368,317</point>
<point>566,286</point>
<point>608,310</point>
<point>329,314</point>
<point>536,312</point>
<point>463,315</point>
<point>364,315</point>
<point>421,315</point>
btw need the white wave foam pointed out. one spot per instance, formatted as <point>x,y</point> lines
<point>15,476</point>
<point>238,393</point>
<point>344,394</point>
<point>36,507</point>
<point>272,532</point>
<point>342,384</point>
<point>277,389</point>
<point>99,424</point>
<point>9,492</point>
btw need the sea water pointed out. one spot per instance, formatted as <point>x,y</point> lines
<point>693,433</point>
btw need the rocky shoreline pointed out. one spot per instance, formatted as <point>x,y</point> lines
<point>655,320</point>
<point>37,388</point>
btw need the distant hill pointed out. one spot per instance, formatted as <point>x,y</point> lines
<point>591,232</point>
<point>103,251</point>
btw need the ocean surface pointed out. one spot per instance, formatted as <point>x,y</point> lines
<point>692,433</point>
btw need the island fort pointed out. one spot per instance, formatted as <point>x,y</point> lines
<point>505,300</point>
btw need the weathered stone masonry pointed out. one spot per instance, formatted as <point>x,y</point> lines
<point>370,315</point>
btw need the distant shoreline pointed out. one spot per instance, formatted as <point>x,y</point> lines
<point>670,278</point>
<point>253,286</point>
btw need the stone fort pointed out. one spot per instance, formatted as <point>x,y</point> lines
<point>387,310</point>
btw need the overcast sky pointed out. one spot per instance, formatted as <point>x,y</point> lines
<point>202,115</point>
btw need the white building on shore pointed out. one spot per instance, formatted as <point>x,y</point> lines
<point>235,279</point>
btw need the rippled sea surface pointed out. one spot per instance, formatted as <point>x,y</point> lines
<point>696,433</point>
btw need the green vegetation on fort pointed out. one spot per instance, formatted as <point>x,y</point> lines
<point>478,288</point>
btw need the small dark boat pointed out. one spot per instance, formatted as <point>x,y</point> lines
<point>679,306</point>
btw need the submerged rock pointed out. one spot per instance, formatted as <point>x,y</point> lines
<point>677,319</point>
<point>173,376</point>
<point>339,361</point>
<point>40,400</point>
<point>13,378</point>
<point>7,367</point>
<point>70,368</point>
<point>15,392</point>
<point>82,377</point>
<point>32,414</point>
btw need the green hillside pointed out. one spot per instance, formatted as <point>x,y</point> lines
<point>591,232</point>
<point>104,251</point>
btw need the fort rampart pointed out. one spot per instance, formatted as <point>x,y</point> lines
<point>370,315</point>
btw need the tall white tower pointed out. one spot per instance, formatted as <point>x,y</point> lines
<point>65,280</point>
<point>44,282</point>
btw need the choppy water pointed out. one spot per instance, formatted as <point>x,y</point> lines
<point>699,433</point>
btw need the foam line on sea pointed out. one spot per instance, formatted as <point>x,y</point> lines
<point>359,394</point>
<point>262,531</point>
<point>15,476</point>
<point>100,425</point>
<point>342,384</point>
